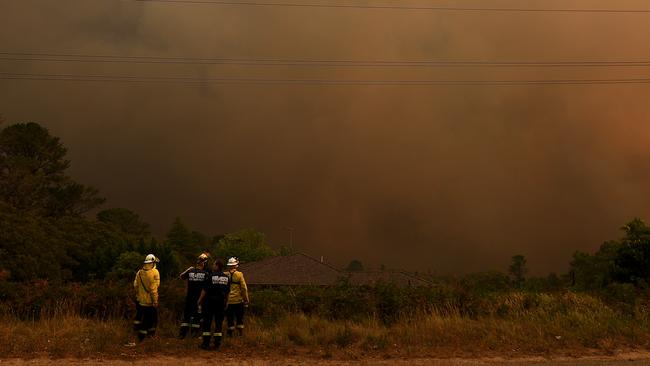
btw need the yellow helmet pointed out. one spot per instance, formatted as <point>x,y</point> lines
<point>203,257</point>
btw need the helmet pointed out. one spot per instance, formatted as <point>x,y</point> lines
<point>150,258</point>
<point>202,258</point>
<point>233,261</point>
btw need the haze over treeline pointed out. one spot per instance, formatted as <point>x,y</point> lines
<point>452,179</point>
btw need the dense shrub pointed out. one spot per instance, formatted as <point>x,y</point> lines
<point>386,303</point>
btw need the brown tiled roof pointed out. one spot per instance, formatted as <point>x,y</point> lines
<point>300,269</point>
<point>292,270</point>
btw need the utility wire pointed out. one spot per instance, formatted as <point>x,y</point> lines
<point>85,58</point>
<point>395,7</point>
<point>199,81</point>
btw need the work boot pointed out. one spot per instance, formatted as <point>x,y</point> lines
<point>240,331</point>
<point>217,341</point>
<point>142,334</point>
<point>183,332</point>
<point>194,332</point>
<point>206,341</point>
<point>229,332</point>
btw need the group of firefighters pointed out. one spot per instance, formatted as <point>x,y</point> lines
<point>213,292</point>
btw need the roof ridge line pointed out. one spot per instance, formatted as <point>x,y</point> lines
<point>318,261</point>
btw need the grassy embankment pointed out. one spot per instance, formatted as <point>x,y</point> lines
<point>509,324</point>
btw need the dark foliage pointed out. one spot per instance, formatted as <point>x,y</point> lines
<point>44,234</point>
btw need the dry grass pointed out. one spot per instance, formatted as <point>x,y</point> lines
<point>60,336</point>
<point>513,324</point>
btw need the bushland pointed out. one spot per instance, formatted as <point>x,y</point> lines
<point>93,319</point>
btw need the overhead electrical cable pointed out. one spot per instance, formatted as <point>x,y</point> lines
<point>396,7</point>
<point>413,82</point>
<point>86,58</point>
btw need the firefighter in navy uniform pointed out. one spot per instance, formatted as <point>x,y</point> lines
<point>195,277</point>
<point>213,301</point>
<point>237,299</point>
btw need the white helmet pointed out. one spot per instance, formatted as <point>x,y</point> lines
<point>232,262</point>
<point>150,258</point>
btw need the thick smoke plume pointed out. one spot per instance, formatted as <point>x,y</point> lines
<point>443,178</point>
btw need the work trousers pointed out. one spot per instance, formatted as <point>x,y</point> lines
<point>146,321</point>
<point>235,312</point>
<point>191,316</point>
<point>213,309</point>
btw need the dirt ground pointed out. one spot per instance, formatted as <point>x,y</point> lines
<point>632,359</point>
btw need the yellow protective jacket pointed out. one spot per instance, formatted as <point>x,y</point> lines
<point>146,284</point>
<point>238,288</point>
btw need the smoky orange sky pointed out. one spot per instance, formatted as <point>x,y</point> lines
<point>444,178</point>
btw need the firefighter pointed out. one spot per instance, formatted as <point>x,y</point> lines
<point>213,301</point>
<point>195,277</point>
<point>237,299</point>
<point>146,284</point>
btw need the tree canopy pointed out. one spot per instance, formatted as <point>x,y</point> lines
<point>248,245</point>
<point>45,234</point>
<point>626,260</point>
<point>355,265</point>
<point>518,269</point>
<point>33,177</point>
<point>126,221</point>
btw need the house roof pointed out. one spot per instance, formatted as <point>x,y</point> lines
<point>300,269</point>
<point>295,269</point>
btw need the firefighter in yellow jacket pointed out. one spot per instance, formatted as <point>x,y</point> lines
<point>237,298</point>
<point>146,284</point>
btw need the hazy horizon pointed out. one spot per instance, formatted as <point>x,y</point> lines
<point>451,179</point>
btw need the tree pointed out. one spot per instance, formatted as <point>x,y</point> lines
<point>518,269</point>
<point>32,174</point>
<point>248,245</point>
<point>636,232</point>
<point>632,263</point>
<point>31,246</point>
<point>93,246</point>
<point>179,236</point>
<point>591,272</point>
<point>285,251</point>
<point>354,266</point>
<point>486,282</point>
<point>185,244</point>
<point>125,267</point>
<point>71,198</point>
<point>127,221</point>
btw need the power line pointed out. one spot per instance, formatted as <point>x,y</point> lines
<point>86,58</point>
<point>412,82</point>
<point>394,7</point>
